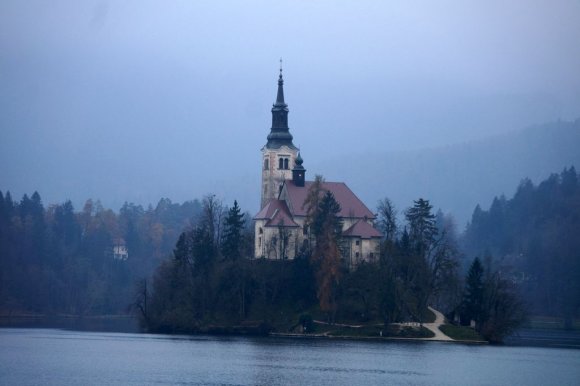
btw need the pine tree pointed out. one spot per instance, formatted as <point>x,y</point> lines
<point>233,233</point>
<point>422,226</point>
<point>473,297</point>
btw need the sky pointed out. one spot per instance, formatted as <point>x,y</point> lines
<point>138,100</point>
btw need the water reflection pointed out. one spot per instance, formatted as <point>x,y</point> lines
<point>56,357</point>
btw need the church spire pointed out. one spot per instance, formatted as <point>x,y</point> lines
<point>280,133</point>
<point>280,96</point>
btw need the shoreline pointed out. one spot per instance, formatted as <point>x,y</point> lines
<point>97,323</point>
<point>372,338</point>
<point>129,324</point>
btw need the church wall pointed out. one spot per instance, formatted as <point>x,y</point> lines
<point>259,250</point>
<point>276,243</point>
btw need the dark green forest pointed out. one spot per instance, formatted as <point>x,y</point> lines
<point>534,239</point>
<point>55,260</point>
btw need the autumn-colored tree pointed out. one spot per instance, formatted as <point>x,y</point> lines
<point>326,227</point>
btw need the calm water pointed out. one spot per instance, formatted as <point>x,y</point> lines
<point>58,357</point>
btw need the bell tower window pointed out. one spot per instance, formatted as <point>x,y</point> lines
<point>286,163</point>
<point>266,164</point>
<point>281,163</point>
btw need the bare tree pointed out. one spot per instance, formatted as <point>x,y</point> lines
<point>387,219</point>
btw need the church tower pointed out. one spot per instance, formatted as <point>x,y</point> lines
<point>279,153</point>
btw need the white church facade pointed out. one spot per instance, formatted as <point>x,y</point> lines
<point>280,231</point>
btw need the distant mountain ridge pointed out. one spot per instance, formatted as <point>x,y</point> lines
<point>458,177</point>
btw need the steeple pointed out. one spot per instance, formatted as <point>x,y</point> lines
<point>280,96</point>
<point>280,133</point>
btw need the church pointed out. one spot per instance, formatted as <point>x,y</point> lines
<point>280,231</point>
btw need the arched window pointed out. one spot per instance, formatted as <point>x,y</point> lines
<point>260,231</point>
<point>285,163</point>
<point>281,163</point>
<point>266,164</point>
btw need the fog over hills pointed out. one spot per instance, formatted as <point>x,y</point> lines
<point>399,99</point>
<point>454,177</point>
<point>458,177</point>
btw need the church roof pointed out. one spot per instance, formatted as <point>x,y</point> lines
<point>363,230</point>
<point>276,213</point>
<point>350,205</point>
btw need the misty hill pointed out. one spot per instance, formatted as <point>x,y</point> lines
<point>458,177</point>
<point>534,235</point>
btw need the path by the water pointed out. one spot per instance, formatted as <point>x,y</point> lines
<point>434,327</point>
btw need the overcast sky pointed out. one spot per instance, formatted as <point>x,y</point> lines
<point>138,100</point>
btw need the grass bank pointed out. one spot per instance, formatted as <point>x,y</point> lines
<point>461,333</point>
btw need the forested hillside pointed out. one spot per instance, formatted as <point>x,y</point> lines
<point>55,260</point>
<point>459,176</point>
<point>535,239</point>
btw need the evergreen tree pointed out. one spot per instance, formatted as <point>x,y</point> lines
<point>312,201</point>
<point>233,233</point>
<point>327,228</point>
<point>422,226</point>
<point>473,297</point>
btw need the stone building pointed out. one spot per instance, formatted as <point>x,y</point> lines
<point>280,231</point>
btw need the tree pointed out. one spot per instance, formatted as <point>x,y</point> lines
<point>422,226</point>
<point>326,228</point>
<point>140,301</point>
<point>387,219</point>
<point>503,309</point>
<point>433,255</point>
<point>473,297</point>
<point>232,240</point>
<point>212,218</point>
<point>311,203</point>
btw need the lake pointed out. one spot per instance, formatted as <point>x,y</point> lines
<point>61,357</point>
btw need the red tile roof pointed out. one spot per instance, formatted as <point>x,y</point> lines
<point>350,204</point>
<point>277,214</point>
<point>363,230</point>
